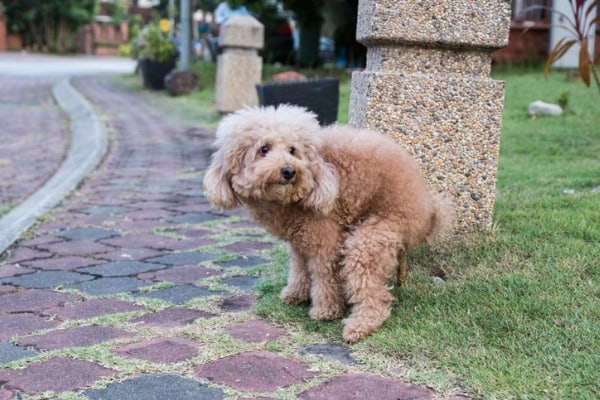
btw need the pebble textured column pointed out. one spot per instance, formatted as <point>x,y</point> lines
<point>239,67</point>
<point>427,85</point>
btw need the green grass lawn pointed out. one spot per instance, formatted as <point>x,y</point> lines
<point>519,313</point>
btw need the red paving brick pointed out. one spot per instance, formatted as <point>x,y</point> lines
<point>23,254</point>
<point>23,324</point>
<point>7,289</point>
<point>74,337</point>
<point>56,374</point>
<point>76,248</point>
<point>91,308</point>
<point>6,395</point>
<point>33,300</point>
<point>172,317</point>
<point>254,372</point>
<point>8,270</point>
<point>255,331</point>
<point>161,350</point>
<point>365,386</point>
<point>238,303</point>
<point>62,263</point>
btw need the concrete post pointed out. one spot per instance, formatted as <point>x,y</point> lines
<point>427,85</point>
<point>239,67</point>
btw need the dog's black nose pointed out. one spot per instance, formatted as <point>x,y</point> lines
<point>288,173</point>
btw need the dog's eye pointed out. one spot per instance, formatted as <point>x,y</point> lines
<point>264,150</point>
<point>292,150</point>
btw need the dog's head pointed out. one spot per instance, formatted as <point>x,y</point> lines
<point>270,154</point>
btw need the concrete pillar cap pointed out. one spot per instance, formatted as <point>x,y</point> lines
<point>242,31</point>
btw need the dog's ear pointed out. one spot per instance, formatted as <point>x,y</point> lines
<point>322,198</point>
<point>233,139</point>
<point>217,182</point>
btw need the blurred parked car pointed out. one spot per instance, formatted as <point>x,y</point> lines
<point>279,42</point>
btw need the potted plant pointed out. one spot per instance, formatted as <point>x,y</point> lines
<point>156,55</point>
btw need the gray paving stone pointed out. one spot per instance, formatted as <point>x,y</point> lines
<point>129,254</point>
<point>10,352</point>
<point>87,234</point>
<point>181,294</point>
<point>46,279</point>
<point>184,258</point>
<point>243,282</point>
<point>104,210</point>
<point>331,351</point>
<point>255,372</point>
<point>135,241</point>
<point>120,268</point>
<point>104,286</point>
<point>76,248</point>
<point>243,262</point>
<point>194,218</point>
<point>365,386</point>
<point>156,387</point>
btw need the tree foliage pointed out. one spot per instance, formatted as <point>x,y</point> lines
<point>49,25</point>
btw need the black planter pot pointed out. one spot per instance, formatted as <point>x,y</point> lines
<point>154,72</point>
<point>321,96</point>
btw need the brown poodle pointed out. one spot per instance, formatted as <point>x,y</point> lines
<point>348,202</point>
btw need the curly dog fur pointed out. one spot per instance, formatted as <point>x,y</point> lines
<point>347,201</point>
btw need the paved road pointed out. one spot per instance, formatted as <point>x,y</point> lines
<point>134,288</point>
<point>24,64</point>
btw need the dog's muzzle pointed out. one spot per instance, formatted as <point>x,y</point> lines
<point>288,173</point>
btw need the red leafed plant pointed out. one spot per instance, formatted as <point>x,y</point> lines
<point>580,25</point>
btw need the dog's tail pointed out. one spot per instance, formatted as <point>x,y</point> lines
<point>443,220</point>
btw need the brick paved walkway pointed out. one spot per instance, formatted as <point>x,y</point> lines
<point>29,119</point>
<point>134,288</point>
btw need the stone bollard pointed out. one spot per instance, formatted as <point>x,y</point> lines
<point>239,67</point>
<point>427,85</point>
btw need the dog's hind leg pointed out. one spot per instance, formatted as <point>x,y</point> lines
<point>402,268</point>
<point>370,259</point>
<point>297,289</point>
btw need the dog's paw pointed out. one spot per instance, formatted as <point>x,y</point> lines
<point>294,295</point>
<point>327,314</point>
<point>354,330</point>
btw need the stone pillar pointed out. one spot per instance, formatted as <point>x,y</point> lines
<point>427,85</point>
<point>239,67</point>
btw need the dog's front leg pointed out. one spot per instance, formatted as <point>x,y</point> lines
<point>297,289</point>
<point>322,260</point>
